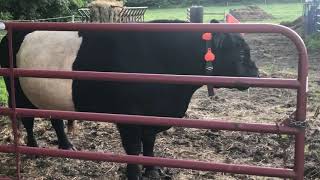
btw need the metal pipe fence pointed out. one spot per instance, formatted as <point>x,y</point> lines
<point>191,12</point>
<point>298,84</point>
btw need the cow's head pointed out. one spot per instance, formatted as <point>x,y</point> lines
<point>232,56</point>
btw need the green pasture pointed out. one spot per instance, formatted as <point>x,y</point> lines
<point>3,92</point>
<point>281,12</point>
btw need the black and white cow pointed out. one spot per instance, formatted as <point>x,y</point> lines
<point>137,52</point>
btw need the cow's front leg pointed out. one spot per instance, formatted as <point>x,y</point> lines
<point>148,140</point>
<point>63,140</point>
<point>28,125</point>
<point>131,142</point>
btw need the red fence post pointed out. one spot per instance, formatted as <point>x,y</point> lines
<point>13,116</point>
<point>301,112</point>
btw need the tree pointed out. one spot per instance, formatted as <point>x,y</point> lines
<point>33,9</point>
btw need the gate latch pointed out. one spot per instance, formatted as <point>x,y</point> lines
<point>298,124</point>
<point>292,122</point>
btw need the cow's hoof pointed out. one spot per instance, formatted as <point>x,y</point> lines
<point>73,148</point>
<point>135,178</point>
<point>32,156</point>
<point>32,143</point>
<point>152,173</point>
<point>68,147</point>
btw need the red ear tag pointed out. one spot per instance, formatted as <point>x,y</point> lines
<point>209,56</point>
<point>207,36</point>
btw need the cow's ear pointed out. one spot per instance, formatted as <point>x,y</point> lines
<point>214,21</point>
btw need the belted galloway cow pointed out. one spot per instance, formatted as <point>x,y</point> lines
<point>180,53</point>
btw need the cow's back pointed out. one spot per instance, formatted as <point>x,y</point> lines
<point>137,52</point>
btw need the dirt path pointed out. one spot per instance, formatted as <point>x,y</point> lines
<point>275,56</point>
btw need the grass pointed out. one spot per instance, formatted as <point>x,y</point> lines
<point>313,42</point>
<point>284,12</point>
<point>3,92</point>
<point>281,12</point>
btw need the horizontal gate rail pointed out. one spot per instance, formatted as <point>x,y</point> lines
<point>156,78</point>
<point>299,84</point>
<point>159,27</point>
<point>152,120</point>
<point>174,163</point>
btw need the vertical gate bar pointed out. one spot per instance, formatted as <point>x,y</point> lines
<point>13,103</point>
<point>301,108</point>
<point>299,156</point>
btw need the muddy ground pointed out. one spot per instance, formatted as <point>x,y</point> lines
<point>276,57</point>
<point>250,13</point>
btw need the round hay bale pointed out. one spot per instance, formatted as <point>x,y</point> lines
<point>105,10</point>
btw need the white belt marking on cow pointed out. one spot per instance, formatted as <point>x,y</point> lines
<point>49,50</point>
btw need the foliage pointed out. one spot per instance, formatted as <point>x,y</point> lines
<point>5,15</point>
<point>313,41</point>
<point>33,9</point>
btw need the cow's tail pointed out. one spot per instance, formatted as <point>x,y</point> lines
<point>4,53</point>
<point>4,60</point>
<point>17,38</point>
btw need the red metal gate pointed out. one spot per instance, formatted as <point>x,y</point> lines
<point>297,84</point>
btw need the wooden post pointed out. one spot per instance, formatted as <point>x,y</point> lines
<point>196,14</point>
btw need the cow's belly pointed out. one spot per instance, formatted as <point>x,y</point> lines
<point>49,50</point>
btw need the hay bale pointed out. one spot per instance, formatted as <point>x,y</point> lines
<point>106,3</point>
<point>105,10</point>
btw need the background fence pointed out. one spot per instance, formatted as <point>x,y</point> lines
<point>126,15</point>
<point>195,14</point>
<point>311,17</point>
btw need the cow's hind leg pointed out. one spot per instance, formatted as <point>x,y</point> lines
<point>131,141</point>
<point>63,140</point>
<point>72,128</point>
<point>148,140</point>
<point>28,125</point>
